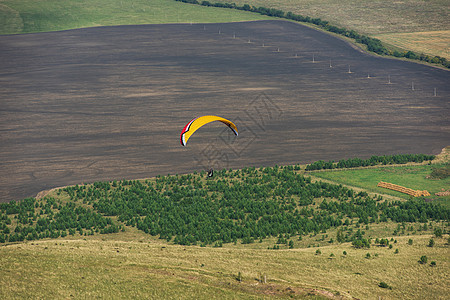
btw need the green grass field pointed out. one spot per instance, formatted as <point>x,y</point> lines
<point>25,16</point>
<point>414,177</point>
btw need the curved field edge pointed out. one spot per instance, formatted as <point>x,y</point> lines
<point>27,16</point>
<point>378,19</point>
<point>370,44</point>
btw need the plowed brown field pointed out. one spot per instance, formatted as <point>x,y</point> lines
<point>109,103</point>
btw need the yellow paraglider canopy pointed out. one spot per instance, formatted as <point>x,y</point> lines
<point>198,122</point>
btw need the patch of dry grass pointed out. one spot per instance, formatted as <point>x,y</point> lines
<point>431,42</point>
<point>444,156</point>
<point>368,16</point>
<point>134,265</point>
<point>399,23</point>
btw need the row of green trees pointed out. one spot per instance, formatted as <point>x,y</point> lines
<point>244,205</point>
<point>373,44</point>
<point>373,161</point>
<point>49,218</point>
<point>247,205</point>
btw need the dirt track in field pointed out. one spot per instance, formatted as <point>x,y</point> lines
<point>109,103</point>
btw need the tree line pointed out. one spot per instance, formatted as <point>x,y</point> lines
<point>372,161</point>
<point>373,44</point>
<point>49,218</point>
<point>235,205</point>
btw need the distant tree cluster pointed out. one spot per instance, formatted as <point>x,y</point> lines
<point>373,44</point>
<point>373,161</point>
<point>441,172</point>
<point>382,242</point>
<point>49,218</point>
<point>361,243</point>
<point>246,205</point>
<point>414,211</point>
<point>237,205</point>
<point>422,57</point>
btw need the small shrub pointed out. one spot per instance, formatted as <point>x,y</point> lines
<point>433,264</point>
<point>440,173</point>
<point>423,259</point>
<point>410,242</point>
<point>368,255</point>
<point>431,243</point>
<point>318,252</point>
<point>345,252</point>
<point>384,285</point>
<point>396,251</point>
<point>239,277</point>
<point>438,232</point>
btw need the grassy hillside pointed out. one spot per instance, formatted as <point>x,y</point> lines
<point>26,16</point>
<point>134,265</point>
<point>381,19</point>
<point>313,256</point>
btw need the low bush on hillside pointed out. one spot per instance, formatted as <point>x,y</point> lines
<point>440,173</point>
<point>384,285</point>
<point>373,161</point>
<point>423,259</point>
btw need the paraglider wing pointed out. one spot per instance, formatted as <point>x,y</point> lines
<point>198,122</point>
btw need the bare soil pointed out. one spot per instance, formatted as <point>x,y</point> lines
<point>109,103</point>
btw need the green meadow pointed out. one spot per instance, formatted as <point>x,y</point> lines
<point>416,177</point>
<point>26,16</point>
